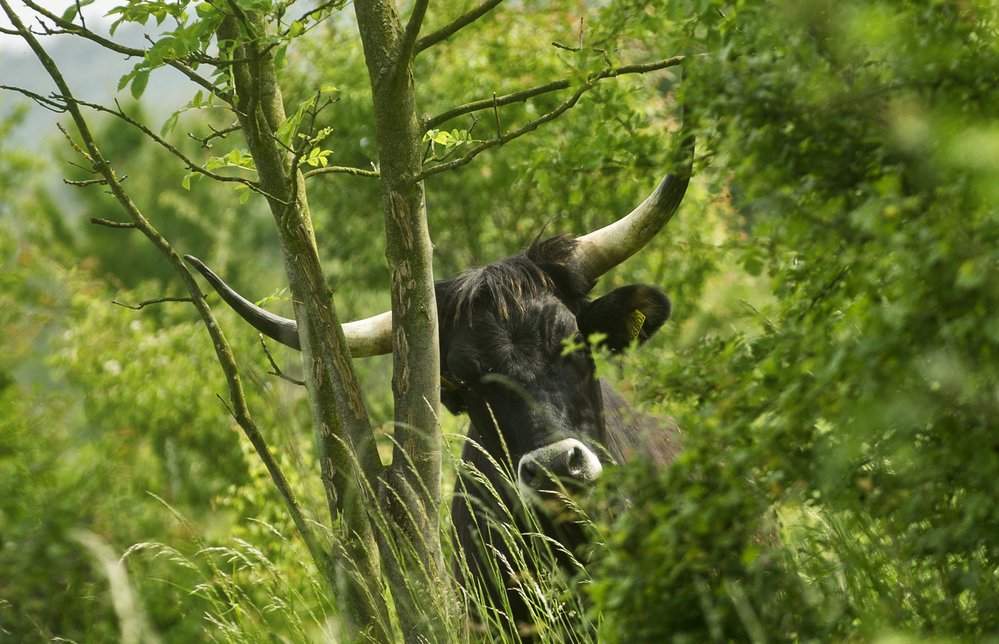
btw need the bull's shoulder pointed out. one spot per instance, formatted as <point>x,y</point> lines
<point>633,434</point>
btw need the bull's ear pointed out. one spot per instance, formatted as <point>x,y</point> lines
<point>629,313</point>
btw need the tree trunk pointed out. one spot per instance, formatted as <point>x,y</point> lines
<point>411,491</point>
<point>347,453</point>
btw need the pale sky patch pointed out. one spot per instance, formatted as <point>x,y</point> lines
<point>94,15</point>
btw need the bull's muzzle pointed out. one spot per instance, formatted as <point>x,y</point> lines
<point>567,464</point>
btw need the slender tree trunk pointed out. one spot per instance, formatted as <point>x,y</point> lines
<point>411,491</point>
<point>347,453</point>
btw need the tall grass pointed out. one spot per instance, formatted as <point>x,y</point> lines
<point>527,564</point>
<point>245,595</point>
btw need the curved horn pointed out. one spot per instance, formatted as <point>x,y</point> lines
<point>603,249</point>
<point>368,337</point>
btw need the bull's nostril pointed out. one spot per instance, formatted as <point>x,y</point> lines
<point>529,471</point>
<point>577,462</point>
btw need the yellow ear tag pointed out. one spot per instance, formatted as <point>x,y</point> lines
<point>635,322</point>
<point>448,385</point>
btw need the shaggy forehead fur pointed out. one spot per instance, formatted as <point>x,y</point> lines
<point>524,345</point>
<point>504,290</point>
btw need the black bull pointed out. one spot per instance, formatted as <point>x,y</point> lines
<point>515,357</point>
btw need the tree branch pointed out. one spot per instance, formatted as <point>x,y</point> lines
<point>50,104</point>
<point>189,163</point>
<point>456,25</point>
<point>337,169</point>
<point>222,349</point>
<point>405,53</point>
<point>525,94</point>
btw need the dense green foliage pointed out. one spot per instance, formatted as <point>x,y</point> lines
<point>858,145</point>
<point>833,358</point>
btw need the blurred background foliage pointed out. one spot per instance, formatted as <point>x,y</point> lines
<point>833,358</point>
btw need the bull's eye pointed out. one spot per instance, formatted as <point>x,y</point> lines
<point>581,359</point>
<point>465,370</point>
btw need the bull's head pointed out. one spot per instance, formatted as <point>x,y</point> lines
<point>504,327</point>
<point>516,357</point>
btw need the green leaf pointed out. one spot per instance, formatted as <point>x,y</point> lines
<point>124,80</point>
<point>73,10</point>
<point>254,6</point>
<point>139,83</point>
<point>170,123</point>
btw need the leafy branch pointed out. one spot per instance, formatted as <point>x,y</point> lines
<point>66,25</point>
<point>530,126</point>
<point>233,159</point>
<point>546,88</point>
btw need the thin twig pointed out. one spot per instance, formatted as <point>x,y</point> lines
<point>456,25</point>
<point>557,45</point>
<point>826,289</point>
<point>191,165</point>
<point>200,58</point>
<point>206,142</point>
<point>74,163</point>
<point>79,12</point>
<point>48,103</point>
<point>82,183</point>
<point>524,129</point>
<point>112,224</point>
<point>306,143</point>
<point>554,86</point>
<point>144,303</point>
<point>502,140</point>
<point>311,12</point>
<point>227,407</point>
<point>277,370</point>
<point>73,144</point>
